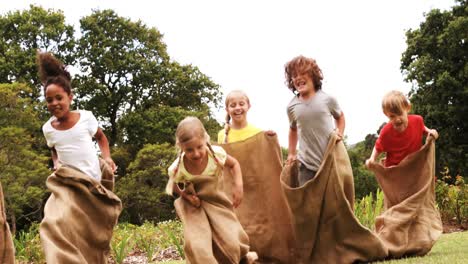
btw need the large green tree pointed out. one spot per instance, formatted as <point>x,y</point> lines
<point>23,168</point>
<point>435,62</point>
<point>142,190</point>
<point>25,32</point>
<point>126,68</point>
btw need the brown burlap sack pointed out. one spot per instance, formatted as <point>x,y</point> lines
<point>79,218</point>
<point>212,232</point>
<point>322,213</point>
<point>410,224</point>
<point>7,251</point>
<point>263,212</point>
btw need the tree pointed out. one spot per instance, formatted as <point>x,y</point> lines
<point>23,33</point>
<point>142,190</point>
<point>157,125</point>
<point>435,61</point>
<point>23,168</point>
<point>126,68</point>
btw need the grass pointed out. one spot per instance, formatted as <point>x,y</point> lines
<point>450,248</point>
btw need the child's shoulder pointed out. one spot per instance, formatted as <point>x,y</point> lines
<point>85,114</point>
<point>219,153</point>
<point>415,118</point>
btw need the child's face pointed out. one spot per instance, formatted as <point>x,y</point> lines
<point>303,84</point>
<point>399,121</point>
<point>237,108</point>
<point>58,101</point>
<point>195,150</point>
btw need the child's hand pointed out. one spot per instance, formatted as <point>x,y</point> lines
<point>291,159</point>
<point>270,133</point>
<point>193,199</point>
<point>339,135</point>
<point>434,133</point>
<point>237,194</point>
<point>111,163</point>
<point>368,163</point>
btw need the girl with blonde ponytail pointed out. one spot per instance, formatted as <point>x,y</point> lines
<point>204,209</point>
<point>237,128</point>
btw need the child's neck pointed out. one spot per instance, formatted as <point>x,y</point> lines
<point>240,124</point>
<point>195,168</point>
<point>308,95</point>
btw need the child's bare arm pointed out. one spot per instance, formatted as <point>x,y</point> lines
<point>292,144</point>
<point>431,132</point>
<point>104,147</point>
<point>237,190</point>
<point>54,158</point>
<point>373,157</point>
<point>340,125</point>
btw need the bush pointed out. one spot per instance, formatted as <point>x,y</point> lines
<point>452,198</point>
<point>368,208</point>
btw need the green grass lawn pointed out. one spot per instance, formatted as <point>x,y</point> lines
<point>450,248</point>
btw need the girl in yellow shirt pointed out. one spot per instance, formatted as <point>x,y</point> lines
<point>237,106</point>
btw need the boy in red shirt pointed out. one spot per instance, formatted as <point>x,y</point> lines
<point>402,135</point>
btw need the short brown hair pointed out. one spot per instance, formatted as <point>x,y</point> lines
<point>303,65</point>
<point>395,102</point>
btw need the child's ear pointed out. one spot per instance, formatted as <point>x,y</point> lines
<point>409,107</point>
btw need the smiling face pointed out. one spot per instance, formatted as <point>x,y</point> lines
<point>304,85</point>
<point>237,106</point>
<point>58,101</point>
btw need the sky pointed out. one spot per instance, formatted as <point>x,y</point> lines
<point>244,44</point>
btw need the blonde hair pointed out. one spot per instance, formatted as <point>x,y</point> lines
<point>231,95</point>
<point>187,129</point>
<point>395,102</point>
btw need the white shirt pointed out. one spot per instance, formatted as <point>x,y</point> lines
<point>74,146</point>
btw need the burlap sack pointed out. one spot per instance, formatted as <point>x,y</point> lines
<point>322,213</point>
<point>7,251</point>
<point>79,218</point>
<point>212,232</point>
<point>263,212</point>
<point>411,223</point>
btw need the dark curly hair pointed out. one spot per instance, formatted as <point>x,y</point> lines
<point>303,65</point>
<point>52,71</point>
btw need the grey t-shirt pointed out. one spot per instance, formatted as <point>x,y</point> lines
<point>314,123</point>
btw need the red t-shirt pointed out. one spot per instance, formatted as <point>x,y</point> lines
<point>398,145</point>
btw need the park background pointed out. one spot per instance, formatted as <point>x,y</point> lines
<point>142,67</point>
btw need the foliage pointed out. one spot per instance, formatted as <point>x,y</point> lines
<point>127,239</point>
<point>126,68</point>
<point>23,168</point>
<point>157,125</point>
<point>147,238</point>
<point>435,63</point>
<point>452,200</point>
<point>364,180</point>
<point>28,245</point>
<point>23,33</point>
<point>142,189</point>
<point>368,208</point>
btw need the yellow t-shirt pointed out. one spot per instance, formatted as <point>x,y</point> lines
<point>238,134</point>
<point>210,170</point>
